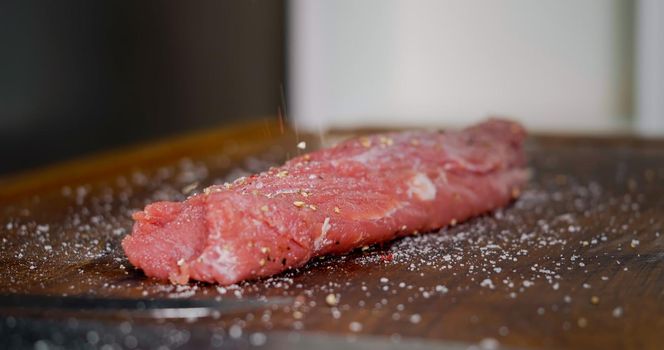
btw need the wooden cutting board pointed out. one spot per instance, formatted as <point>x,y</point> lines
<point>576,262</point>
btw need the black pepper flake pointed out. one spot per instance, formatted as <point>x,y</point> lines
<point>283,261</point>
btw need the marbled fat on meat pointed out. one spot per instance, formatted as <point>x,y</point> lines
<point>362,191</point>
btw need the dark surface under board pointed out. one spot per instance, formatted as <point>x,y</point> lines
<point>576,262</point>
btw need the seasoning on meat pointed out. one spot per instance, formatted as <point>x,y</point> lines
<point>360,192</point>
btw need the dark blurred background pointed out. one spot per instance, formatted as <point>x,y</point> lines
<point>80,76</point>
<point>77,77</point>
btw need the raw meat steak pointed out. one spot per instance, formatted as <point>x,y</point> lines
<point>362,191</point>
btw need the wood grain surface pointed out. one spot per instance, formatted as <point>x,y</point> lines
<point>577,262</point>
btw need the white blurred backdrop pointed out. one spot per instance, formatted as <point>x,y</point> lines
<point>555,65</point>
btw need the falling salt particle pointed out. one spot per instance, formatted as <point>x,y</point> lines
<point>497,269</point>
<point>384,280</point>
<point>503,331</point>
<point>441,289</point>
<point>190,188</point>
<point>235,331</point>
<point>556,286</point>
<point>540,311</point>
<point>582,322</point>
<point>130,342</point>
<point>258,339</point>
<point>415,318</point>
<point>567,298</point>
<point>617,312</point>
<point>594,300</point>
<point>302,145</point>
<point>355,326</point>
<point>586,286</point>
<point>125,327</point>
<point>635,243</point>
<point>92,337</point>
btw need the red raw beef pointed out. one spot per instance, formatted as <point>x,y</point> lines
<point>363,191</point>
